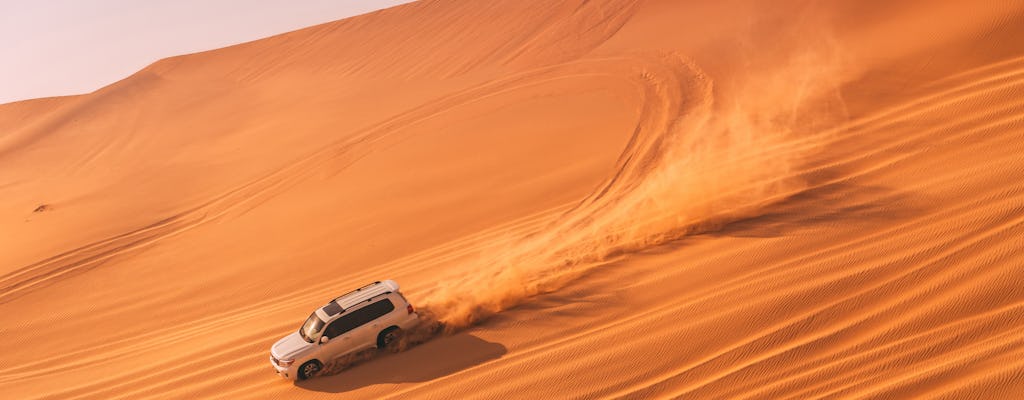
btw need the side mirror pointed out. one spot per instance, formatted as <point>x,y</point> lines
<point>324,339</point>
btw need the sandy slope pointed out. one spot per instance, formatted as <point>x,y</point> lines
<point>601,199</point>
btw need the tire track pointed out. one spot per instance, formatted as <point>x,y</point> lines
<point>335,156</point>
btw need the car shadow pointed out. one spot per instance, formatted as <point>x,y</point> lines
<point>442,356</point>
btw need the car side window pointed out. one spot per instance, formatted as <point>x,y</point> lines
<point>340,326</point>
<point>359,317</point>
<point>378,309</point>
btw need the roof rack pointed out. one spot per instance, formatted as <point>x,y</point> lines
<point>357,290</point>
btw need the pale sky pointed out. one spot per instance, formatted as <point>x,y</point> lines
<point>62,47</point>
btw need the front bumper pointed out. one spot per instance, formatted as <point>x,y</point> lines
<point>284,372</point>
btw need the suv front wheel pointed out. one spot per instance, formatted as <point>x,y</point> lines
<point>309,369</point>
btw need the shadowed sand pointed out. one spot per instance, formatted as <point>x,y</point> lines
<point>590,199</point>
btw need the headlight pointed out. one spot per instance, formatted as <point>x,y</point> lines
<point>285,363</point>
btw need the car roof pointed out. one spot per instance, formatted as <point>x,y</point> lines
<point>351,299</point>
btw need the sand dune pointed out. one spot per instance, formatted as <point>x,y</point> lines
<point>598,199</point>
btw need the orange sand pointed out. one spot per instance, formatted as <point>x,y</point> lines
<point>600,199</point>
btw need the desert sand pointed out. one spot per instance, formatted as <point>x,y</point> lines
<point>597,199</point>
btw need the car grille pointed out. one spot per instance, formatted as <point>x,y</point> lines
<point>275,360</point>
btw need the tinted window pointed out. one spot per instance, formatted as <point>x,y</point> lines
<point>332,309</point>
<point>378,309</point>
<point>359,317</point>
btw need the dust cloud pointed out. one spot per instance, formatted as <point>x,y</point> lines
<point>724,157</point>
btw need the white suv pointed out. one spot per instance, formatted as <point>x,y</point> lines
<point>373,315</point>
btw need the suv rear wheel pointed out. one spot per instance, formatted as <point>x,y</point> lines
<point>389,338</point>
<point>309,369</point>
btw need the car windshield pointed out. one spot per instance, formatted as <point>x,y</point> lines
<point>310,330</point>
